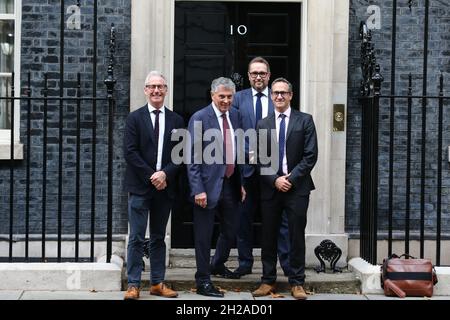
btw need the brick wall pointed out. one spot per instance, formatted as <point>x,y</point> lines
<point>409,59</point>
<point>40,53</point>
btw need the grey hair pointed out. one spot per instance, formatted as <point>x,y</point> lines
<point>222,81</point>
<point>155,73</point>
<point>283,80</point>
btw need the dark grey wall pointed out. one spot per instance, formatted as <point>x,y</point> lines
<point>40,53</point>
<point>409,59</point>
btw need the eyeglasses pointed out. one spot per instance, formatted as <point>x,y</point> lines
<point>255,74</point>
<point>284,94</point>
<point>161,87</point>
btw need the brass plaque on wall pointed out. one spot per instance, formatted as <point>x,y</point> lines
<point>338,117</point>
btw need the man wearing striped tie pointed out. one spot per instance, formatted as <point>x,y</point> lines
<point>216,183</point>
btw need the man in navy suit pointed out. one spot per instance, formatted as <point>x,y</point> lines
<point>215,183</point>
<point>285,185</point>
<point>254,104</point>
<point>150,180</point>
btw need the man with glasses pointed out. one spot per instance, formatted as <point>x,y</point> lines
<point>150,180</point>
<point>254,104</point>
<point>286,187</point>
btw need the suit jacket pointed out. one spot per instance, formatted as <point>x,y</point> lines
<point>301,153</point>
<point>205,177</point>
<point>243,102</point>
<point>140,151</point>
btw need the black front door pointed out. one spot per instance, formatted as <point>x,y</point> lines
<point>214,39</point>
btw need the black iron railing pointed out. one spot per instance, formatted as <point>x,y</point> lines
<point>40,111</point>
<point>408,164</point>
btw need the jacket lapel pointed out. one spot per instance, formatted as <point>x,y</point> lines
<point>234,119</point>
<point>272,128</point>
<point>272,122</point>
<point>148,124</point>
<point>271,108</point>
<point>249,109</point>
<point>168,125</point>
<point>292,122</point>
<point>213,122</point>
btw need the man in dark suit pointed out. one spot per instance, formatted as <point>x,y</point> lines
<point>150,179</point>
<point>253,105</point>
<point>285,185</point>
<point>215,183</point>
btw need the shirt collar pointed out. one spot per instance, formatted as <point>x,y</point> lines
<point>287,113</point>
<point>152,108</point>
<point>217,111</point>
<point>265,92</point>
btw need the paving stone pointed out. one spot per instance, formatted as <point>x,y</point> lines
<point>188,295</point>
<point>72,295</point>
<point>10,294</point>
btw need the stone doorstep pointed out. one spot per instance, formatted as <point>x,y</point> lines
<point>182,279</point>
<point>97,276</point>
<point>185,258</point>
<point>370,277</point>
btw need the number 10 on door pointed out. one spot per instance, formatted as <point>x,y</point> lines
<point>241,29</point>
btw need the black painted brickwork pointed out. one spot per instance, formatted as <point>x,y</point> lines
<point>40,53</point>
<point>409,59</point>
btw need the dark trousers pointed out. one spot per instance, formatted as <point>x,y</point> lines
<point>227,213</point>
<point>159,206</point>
<point>248,210</point>
<point>295,206</point>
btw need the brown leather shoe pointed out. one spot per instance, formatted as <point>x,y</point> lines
<point>264,290</point>
<point>132,293</point>
<point>162,290</point>
<point>298,293</point>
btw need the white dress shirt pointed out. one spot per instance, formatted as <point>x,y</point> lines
<point>220,120</point>
<point>287,113</point>
<point>162,126</point>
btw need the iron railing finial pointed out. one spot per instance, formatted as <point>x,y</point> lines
<point>110,81</point>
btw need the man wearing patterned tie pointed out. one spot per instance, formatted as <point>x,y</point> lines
<point>216,186</point>
<point>253,105</point>
<point>150,179</point>
<point>286,187</point>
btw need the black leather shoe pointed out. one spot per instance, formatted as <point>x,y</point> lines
<point>208,289</point>
<point>242,271</point>
<point>224,272</point>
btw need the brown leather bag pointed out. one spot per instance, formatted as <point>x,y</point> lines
<point>407,277</point>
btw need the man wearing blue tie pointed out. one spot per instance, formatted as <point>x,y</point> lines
<point>286,186</point>
<point>254,104</point>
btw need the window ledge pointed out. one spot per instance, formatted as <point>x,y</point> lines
<point>5,151</point>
